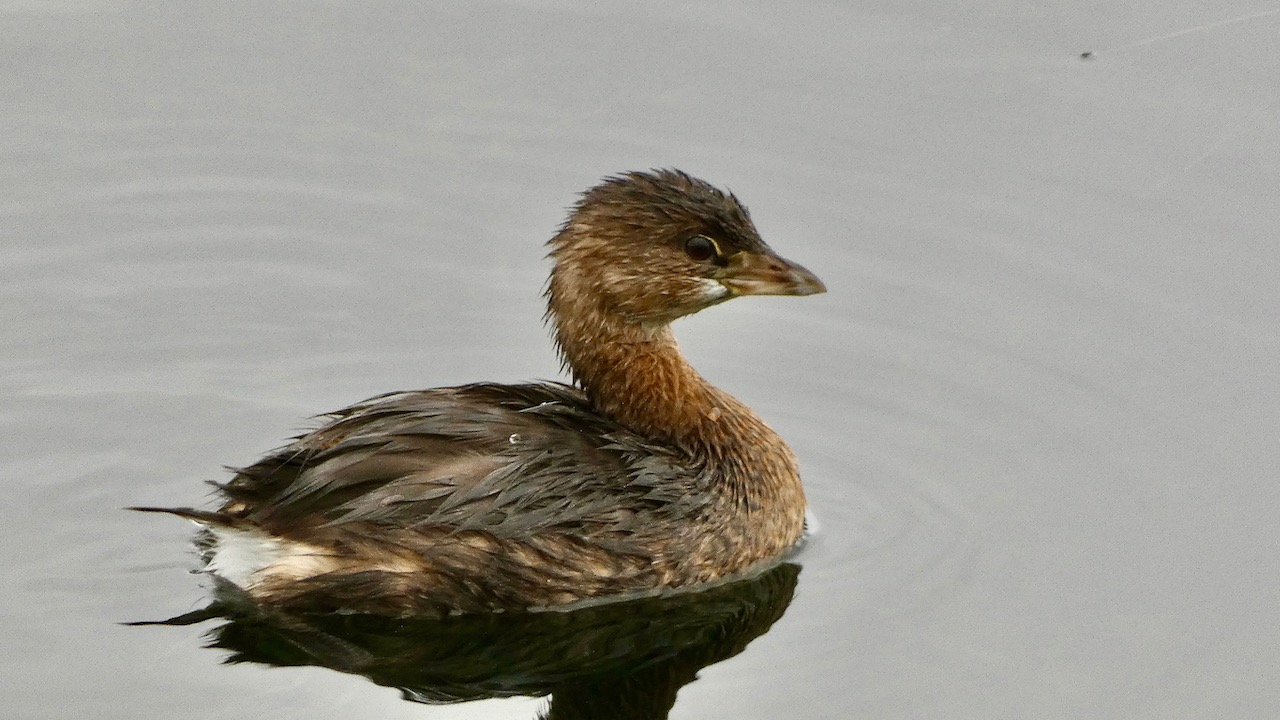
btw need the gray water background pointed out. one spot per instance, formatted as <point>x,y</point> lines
<point>1037,413</point>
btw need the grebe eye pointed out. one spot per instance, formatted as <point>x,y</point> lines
<point>701,248</point>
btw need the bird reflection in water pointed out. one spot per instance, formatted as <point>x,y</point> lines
<point>623,660</point>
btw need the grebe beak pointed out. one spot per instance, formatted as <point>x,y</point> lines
<point>756,273</point>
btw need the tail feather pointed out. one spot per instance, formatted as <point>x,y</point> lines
<point>207,518</point>
<point>234,549</point>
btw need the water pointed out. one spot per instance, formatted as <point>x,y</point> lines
<point>1037,412</point>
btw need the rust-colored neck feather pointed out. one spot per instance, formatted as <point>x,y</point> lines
<point>635,373</point>
<point>631,369</point>
<point>638,376</point>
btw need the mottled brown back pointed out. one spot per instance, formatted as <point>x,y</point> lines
<point>488,495</point>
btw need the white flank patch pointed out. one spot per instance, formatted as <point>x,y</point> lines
<point>245,557</point>
<point>248,557</point>
<point>239,554</point>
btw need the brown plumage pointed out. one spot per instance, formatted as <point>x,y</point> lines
<point>489,497</point>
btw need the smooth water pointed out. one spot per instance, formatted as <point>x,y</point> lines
<point>1038,412</point>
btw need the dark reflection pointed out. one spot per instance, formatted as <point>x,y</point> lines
<point>623,660</point>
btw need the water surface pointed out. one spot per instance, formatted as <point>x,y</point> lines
<point>1037,412</point>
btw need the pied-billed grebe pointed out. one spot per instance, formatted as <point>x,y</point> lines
<point>485,497</point>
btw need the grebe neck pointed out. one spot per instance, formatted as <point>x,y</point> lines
<point>636,375</point>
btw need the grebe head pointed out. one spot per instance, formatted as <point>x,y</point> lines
<point>645,248</point>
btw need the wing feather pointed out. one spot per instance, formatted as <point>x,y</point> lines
<point>506,459</point>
